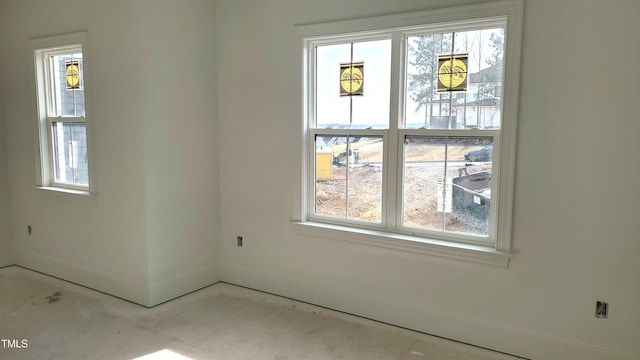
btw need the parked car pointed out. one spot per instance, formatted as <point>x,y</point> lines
<point>483,154</point>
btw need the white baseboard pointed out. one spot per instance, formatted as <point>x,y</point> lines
<point>500,337</point>
<point>181,284</point>
<point>512,340</point>
<point>125,288</point>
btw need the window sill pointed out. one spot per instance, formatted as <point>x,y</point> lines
<point>465,252</point>
<point>57,193</point>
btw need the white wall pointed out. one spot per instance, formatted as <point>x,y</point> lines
<point>575,223</point>
<point>140,239</point>
<point>181,147</point>
<point>99,243</point>
<point>6,249</point>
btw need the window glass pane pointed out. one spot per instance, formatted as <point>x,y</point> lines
<point>476,107</point>
<point>348,177</point>
<point>70,153</point>
<point>370,107</point>
<point>67,85</point>
<point>447,184</point>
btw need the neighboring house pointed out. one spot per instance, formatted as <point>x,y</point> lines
<point>478,107</point>
<point>482,106</point>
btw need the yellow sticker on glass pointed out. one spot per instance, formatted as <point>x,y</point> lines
<point>73,74</point>
<point>452,72</point>
<point>352,79</point>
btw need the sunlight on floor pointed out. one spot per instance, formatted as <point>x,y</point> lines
<point>164,355</point>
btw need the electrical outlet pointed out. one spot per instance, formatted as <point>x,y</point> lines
<point>602,310</point>
<point>239,241</point>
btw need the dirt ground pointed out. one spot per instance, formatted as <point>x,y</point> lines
<point>354,192</point>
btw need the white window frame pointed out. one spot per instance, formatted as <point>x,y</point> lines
<point>42,48</point>
<point>494,251</point>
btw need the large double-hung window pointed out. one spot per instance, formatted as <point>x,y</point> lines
<point>62,130</point>
<point>410,129</point>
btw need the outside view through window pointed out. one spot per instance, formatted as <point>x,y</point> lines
<point>69,137</point>
<point>445,177</point>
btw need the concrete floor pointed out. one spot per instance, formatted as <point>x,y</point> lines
<point>46,318</point>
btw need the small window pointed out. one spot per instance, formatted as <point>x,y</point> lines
<point>60,75</point>
<point>407,128</point>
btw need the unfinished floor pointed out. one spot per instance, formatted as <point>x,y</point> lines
<point>46,318</point>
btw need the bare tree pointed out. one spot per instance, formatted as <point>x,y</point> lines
<point>423,56</point>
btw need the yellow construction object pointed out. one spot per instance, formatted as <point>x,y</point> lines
<point>324,165</point>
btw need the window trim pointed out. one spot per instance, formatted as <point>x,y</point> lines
<point>45,171</point>
<point>498,253</point>
<point>405,243</point>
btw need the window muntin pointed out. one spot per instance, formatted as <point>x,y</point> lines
<point>460,116</point>
<point>369,110</point>
<point>62,116</point>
